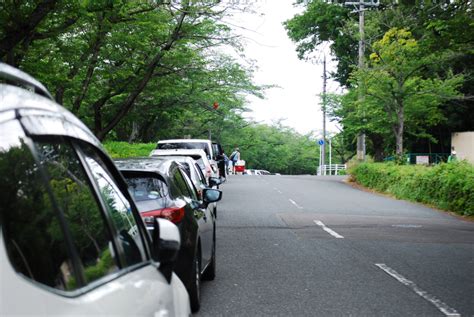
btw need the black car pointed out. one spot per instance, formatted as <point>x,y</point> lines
<point>162,188</point>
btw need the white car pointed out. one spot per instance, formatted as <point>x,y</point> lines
<point>192,144</point>
<point>72,241</point>
<point>198,155</point>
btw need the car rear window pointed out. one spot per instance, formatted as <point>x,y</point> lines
<point>146,188</point>
<point>184,145</point>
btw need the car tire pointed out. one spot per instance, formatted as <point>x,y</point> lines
<point>194,289</point>
<point>210,272</point>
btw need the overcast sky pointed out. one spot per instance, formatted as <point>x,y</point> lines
<point>300,82</point>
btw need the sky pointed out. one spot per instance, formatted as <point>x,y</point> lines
<point>297,100</point>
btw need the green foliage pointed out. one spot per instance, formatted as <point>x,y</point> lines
<point>448,186</point>
<point>125,67</point>
<point>124,149</point>
<point>275,148</point>
<point>325,22</point>
<point>414,93</point>
<point>394,85</point>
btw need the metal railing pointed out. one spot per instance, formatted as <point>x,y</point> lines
<point>422,158</point>
<point>333,169</point>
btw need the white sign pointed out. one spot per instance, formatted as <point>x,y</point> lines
<point>422,159</point>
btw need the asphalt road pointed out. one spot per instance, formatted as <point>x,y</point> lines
<point>315,246</point>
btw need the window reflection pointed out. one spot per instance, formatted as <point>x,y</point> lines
<point>119,209</point>
<point>73,195</point>
<point>33,238</point>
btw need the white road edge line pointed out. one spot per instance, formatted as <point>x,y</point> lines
<point>443,307</point>
<point>294,203</point>
<point>328,230</point>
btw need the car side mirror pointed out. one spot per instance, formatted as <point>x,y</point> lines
<point>166,245</point>
<point>214,181</point>
<point>211,195</point>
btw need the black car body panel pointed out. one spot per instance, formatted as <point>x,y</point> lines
<point>197,228</point>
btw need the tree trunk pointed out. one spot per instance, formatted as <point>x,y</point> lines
<point>135,132</point>
<point>399,132</point>
<point>377,144</point>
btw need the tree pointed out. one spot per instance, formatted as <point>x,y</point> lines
<point>394,80</point>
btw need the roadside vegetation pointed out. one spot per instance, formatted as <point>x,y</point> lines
<point>448,186</point>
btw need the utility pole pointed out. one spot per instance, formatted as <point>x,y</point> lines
<point>323,147</point>
<point>360,7</point>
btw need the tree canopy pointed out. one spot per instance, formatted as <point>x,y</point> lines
<point>417,86</point>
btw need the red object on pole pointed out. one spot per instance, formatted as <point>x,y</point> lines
<point>215,105</point>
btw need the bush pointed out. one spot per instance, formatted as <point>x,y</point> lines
<point>125,149</point>
<point>448,186</point>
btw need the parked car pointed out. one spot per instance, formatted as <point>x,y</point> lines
<point>197,154</point>
<point>162,189</point>
<point>72,241</point>
<point>193,144</point>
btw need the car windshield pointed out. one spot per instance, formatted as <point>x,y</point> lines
<point>184,145</point>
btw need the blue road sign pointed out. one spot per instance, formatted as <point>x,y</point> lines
<point>321,142</point>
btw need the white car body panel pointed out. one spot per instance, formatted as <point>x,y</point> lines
<point>141,292</point>
<point>208,143</point>
<point>191,153</point>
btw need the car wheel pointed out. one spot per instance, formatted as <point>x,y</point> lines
<point>210,272</point>
<point>195,283</point>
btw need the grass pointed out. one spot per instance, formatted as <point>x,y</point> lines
<point>125,149</point>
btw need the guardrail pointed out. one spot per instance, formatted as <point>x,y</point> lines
<point>333,169</point>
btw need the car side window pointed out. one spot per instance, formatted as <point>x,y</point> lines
<point>52,226</point>
<point>119,209</point>
<point>190,186</point>
<point>73,195</point>
<point>184,184</point>
<point>178,185</point>
<point>34,242</point>
<point>202,179</point>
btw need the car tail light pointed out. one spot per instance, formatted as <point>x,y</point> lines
<point>173,214</point>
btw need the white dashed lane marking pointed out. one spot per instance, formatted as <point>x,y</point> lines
<point>294,203</point>
<point>443,307</point>
<point>328,230</point>
<point>277,190</point>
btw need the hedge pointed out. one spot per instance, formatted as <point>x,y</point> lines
<point>125,149</point>
<point>448,186</point>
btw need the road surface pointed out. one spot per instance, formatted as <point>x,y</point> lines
<point>315,246</point>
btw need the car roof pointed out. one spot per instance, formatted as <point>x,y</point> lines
<point>145,164</point>
<point>180,152</point>
<point>184,141</point>
<point>40,115</point>
<point>14,75</point>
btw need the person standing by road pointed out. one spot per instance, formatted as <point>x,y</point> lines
<point>234,157</point>
<point>452,157</point>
